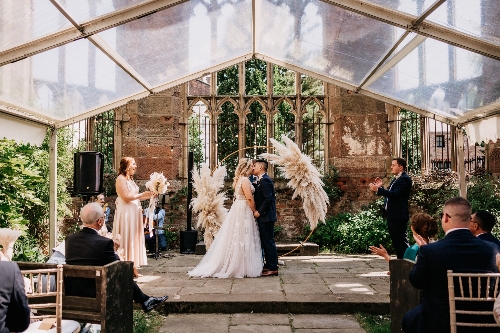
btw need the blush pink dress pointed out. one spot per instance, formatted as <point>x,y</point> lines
<point>128,223</point>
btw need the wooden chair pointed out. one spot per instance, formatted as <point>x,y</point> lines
<point>39,288</point>
<point>473,299</point>
<point>112,305</point>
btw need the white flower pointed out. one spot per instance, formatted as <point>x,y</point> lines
<point>157,183</point>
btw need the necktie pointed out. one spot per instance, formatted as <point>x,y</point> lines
<point>390,186</point>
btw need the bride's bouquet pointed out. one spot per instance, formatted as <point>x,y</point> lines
<point>157,184</point>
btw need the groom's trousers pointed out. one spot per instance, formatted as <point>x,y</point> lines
<point>266,230</point>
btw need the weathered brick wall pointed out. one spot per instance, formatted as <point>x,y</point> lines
<point>360,147</point>
<point>198,88</point>
<point>493,157</point>
<point>152,135</point>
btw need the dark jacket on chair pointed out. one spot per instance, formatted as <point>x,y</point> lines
<point>14,310</point>
<point>459,251</point>
<point>265,200</point>
<point>396,197</point>
<point>87,248</point>
<point>487,236</point>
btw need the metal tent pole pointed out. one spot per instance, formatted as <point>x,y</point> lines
<point>53,189</point>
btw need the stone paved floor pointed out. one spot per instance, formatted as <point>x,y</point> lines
<point>260,323</point>
<point>304,285</point>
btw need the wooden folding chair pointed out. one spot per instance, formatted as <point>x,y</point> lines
<point>41,289</point>
<point>476,293</point>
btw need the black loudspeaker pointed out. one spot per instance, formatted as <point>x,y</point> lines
<point>188,241</point>
<point>88,172</point>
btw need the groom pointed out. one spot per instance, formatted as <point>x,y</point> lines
<point>265,203</point>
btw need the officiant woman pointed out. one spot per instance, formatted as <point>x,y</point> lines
<point>128,215</point>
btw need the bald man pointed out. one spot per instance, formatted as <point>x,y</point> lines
<point>88,248</point>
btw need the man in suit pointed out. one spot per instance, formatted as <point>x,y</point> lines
<point>265,203</point>
<point>396,204</point>
<point>481,224</point>
<point>87,248</point>
<point>459,251</point>
<point>14,310</point>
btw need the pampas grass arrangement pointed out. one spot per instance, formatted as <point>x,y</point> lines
<point>209,204</point>
<point>303,178</point>
<point>7,239</point>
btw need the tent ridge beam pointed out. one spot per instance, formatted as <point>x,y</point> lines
<point>119,61</point>
<point>66,15</point>
<point>425,28</point>
<point>90,28</point>
<point>375,73</point>
<point>384,67</point>
<point>408,107</point>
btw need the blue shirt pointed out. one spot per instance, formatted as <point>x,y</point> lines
<point>159,218</point>
<point>411,253</point>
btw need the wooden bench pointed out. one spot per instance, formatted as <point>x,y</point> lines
<point>404,296</point>
<point>112,305</point>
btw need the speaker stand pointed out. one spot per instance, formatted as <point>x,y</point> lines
<point>86,199</point>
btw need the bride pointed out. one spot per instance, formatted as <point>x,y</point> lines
<point>235,251</point>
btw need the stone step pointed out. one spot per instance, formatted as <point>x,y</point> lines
<point>307,249</point>
<point>297,304</point>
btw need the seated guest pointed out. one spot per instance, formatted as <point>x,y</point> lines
<point>105,207</point>
<point>458,251</point>
<point>57,256</point>
<point>150,239</point>
<point>87,248</point>
<point>14,310</point>
<point>481,224</point>
<point>423,227</point>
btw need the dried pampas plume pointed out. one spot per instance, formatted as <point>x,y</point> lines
<point>209,204</point>
<point>7,239</point>
<point>303,177</point>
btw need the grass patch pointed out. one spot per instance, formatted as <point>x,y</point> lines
<point>374,323</point>
<point>147,322</point>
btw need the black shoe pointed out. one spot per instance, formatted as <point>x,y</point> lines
<point>153,302</point>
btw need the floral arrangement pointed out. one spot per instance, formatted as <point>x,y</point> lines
<point>209,203</point>
<point>157,184</point>
<point>303,177</point>
<point>7,239</point>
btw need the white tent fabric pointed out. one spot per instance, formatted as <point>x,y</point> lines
<point>484,130</point>
<point>62,61</point>
<point>65,60</point>
<point>21,130</point>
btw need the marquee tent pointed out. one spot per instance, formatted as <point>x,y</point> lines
<point>62,61</point>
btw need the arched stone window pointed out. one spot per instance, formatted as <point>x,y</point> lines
<point>227,136</point>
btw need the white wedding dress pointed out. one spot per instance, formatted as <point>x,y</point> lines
<point>235,251</point>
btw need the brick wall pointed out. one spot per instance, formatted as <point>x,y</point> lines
<point>359,148</point>
<point>198,88</point>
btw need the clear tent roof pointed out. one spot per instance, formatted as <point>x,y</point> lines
<point>64,60</point>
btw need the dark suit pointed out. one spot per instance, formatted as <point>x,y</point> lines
<point>14,310</point>
<point>265,203</point>
<point>459,251</point>
<point>396,211</point>
<point>487,236</point>
<point>87,248</point>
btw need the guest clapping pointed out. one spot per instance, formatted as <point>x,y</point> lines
<point>423,227</point>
